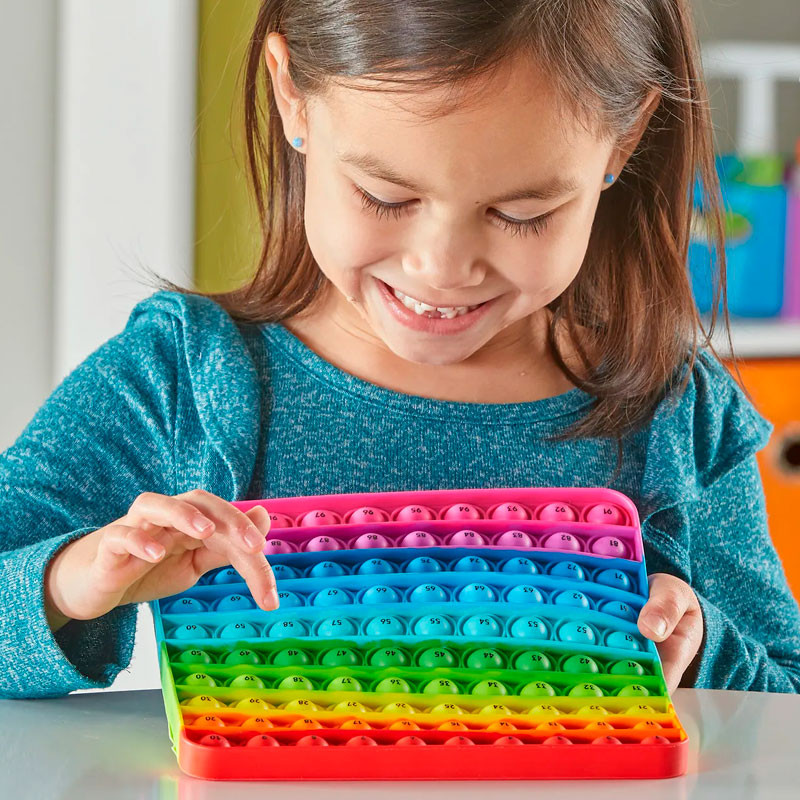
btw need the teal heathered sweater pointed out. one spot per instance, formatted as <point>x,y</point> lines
<point>184,397</point>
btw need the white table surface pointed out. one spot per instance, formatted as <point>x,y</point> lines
<point>114,745</point>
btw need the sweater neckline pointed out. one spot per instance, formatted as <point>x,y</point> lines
<point>545,408</point>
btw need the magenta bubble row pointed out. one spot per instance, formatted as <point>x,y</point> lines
<point>612,546</point>
<point>597,513</point>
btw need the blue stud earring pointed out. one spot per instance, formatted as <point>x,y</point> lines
<point>297,142</point>
<point>609,177</point>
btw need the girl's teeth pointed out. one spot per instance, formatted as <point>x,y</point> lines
<point>429,311</point>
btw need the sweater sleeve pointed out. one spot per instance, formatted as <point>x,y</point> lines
<point>102,437</point>
<point>706,522</point>
<point>752,621</point>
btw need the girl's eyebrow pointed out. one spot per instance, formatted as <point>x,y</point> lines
<point>554,187</point>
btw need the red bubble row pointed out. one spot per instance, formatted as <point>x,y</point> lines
<point>314,740</point>
<point>598,514</point>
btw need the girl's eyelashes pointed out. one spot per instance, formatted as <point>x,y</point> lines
<point>517,227</point>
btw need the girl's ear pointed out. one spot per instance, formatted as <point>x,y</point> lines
<point>289,101</point>
<point>625,148</point>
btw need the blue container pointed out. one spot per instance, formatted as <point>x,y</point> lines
<point>756,240</point>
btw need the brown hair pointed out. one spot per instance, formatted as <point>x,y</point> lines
<point>631,304</point>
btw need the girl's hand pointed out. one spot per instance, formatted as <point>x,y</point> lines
<point>159,548</point>
<point>672,618</point>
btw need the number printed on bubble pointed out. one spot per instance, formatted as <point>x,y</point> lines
<point>499,620</point>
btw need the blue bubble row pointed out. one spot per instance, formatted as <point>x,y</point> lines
<point>422,593</point>
<point>516,565</point>
<point>528,627</point>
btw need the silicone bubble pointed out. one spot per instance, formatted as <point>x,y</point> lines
<point>288,600</point>
<point>627,668</point>
<point>477,593</point>
<point>471,564</point>
<point>320,543</point>
<point>520,566</point>
<point>296,682</point>
<point>319,517</point>
<point>284,572</point>
<point>291,657</point>
<point>361,741</point>
<point>524,593</point>
<point>287,628</point>
<point>237,630</point>
<point>622,640</point>
<point>262,740</point>
<point>567,569</point>
<point>227,575</point>
<point>481,625</point>
<point>576,631</point>
<point>388,657</point>
<point>572,599</point>
<point>605,514</point>
<point>419,539</point>
<point>344,683</point>
<point>234,602</point>
<point>413,513</point>
<point>340,657</point>
<point>392,685</point>
<point>331,597</point>
<point>433,657</point>
<point>619,609</point>
<point>485,658</point>
<point>514,539</point>
<point>580,663</point>
<point>466,538</point>
<point>537,689</point>
<point>246,681</point>
<point>428,593</point>
<point>562,541</point>
<point>279,521</point>
<point>195,657</point>
<point>366,515</point>
<point>533,660</point>
<point>441,686</point>
<point>326,569</point>
<point>275,546</point>
<point>507,740</point>
<point>215,740</point>
<point>375,566</point>
<point>433,625</point>
<point>423,564</point>
<point>312,740</point>
<point>461,511</point>
<point>336,626</point>
<point>509,511</point>
<point>457,741</point>
<point>196,679</point>
<point>384,626</point>
<point>187,605</point>
<point>367,540</point>
<point>613,577</point>
<point>557,512</point>
<point>380,594</point>
<point>529,628</point>
<point>244,656</point>
<point>489,687</point>
<point>610,546</point>
<point>190,631</point>
<point>410,741</point>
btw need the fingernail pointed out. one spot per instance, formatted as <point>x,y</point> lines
<point>656,623</point>
<point>202,524</point>
<point>252,537</point>
<point>154,550</point>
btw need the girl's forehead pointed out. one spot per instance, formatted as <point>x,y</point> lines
<point>495,128</point>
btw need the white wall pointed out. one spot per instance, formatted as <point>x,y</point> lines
<point>97,158</point>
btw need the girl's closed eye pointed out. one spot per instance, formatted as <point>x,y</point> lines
<point>519,227</point>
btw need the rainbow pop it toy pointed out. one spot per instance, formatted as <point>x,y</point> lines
<point>464,634</point>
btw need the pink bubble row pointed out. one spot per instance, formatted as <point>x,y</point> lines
<point>598,514</point>
<point>560,540</point>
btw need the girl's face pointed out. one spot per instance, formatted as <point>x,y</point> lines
<point>492,202</point>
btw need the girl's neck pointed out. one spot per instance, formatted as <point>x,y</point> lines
<point>523,373</point>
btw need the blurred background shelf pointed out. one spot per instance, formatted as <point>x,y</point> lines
<point>759,338</point>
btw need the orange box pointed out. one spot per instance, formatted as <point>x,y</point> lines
<point>774,385</point>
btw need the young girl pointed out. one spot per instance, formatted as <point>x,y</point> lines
<point>475,221</point>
